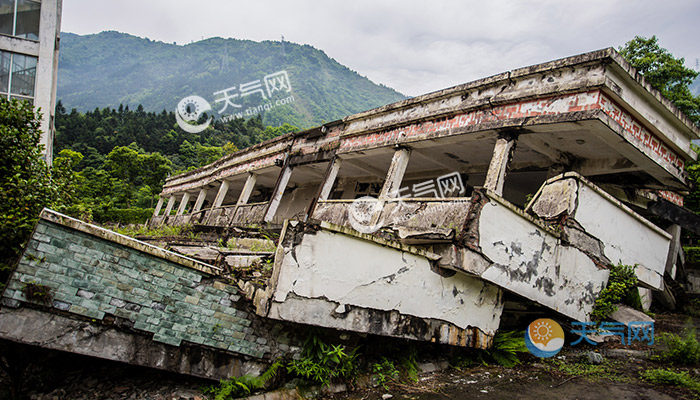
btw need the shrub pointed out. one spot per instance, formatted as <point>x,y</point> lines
<point>27,182</point>
<point>667,377</point>
<point>37,292</point>
<point>323,363</point>
<point>236,387</point>
<point>506,346</point>
<point>682,349</point>
<point>621,288</point>
<point>384,371</point>
<point>132,215</point>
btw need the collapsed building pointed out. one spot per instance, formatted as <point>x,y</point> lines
<point>423,219</point>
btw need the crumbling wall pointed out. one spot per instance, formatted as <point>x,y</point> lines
<point>604,228</point>
<point>336,280</point>
<point>114,282</point>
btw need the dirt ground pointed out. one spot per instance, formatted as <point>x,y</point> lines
<point>566,376</point>
<point>527,383</point>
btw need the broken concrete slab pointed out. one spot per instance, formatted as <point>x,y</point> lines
<point>314,278</point>
<point>603,227</point>
<point>626,314</point>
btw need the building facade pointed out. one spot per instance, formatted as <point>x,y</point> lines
<point>29,42</point>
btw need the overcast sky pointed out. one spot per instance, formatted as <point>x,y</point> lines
<point>412,46</point>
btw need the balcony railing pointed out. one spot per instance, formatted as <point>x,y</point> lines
<point>413,220</point>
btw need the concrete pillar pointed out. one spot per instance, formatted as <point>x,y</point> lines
<point>329,181</point>
<point>159,205</point>
<point>674,249</point>
<point>169,207</point>
<point>47,71</point>
<point>394,176</point>
<point>247,189</point>
<point>183,203</point>
<point>502,153</point>
<point>200,201</point>
<point>220,195</point>
<point>277,193</point>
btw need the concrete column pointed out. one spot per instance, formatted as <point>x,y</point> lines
<point>200,201</point>
<point>331,176</point>
<point>247,189</point>
<point>159,205</point>
<point>674,248</point>
<point>183,203</point>
<point>47,71</point>
<point>220,195</point>
<point>169,207</point>
<point>502,153</point>
<point>278,192</point>
<point>394,176</point>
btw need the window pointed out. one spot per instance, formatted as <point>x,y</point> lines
<point>20,18</point>
<point>17,75</point>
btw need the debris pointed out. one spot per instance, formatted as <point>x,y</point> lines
<point>594,357</point>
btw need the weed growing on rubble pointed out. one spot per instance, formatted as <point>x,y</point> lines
<point>236,387</point>
<point>666,376</point>
<point>681,349</point>
<point>384,371</point>
<point>504,352</point>
<point>506,346</point>
<point>323,363</point>
<point>621,288</point>
<point>37,292</point>
<point>143,230</point>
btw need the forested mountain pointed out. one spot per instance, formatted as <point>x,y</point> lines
<point>111,68</point>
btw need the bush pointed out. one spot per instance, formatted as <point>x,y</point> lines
<point>667,377</point>
<point>621,288</point>
<point>506,346</point>
<point>682,349</point>
<point>384,371</point>
<point>323,363</point>
<point>504,352</point>
<point>132,215</point>
<point>236,387</point>
<point>27,182</point>
<point>692,254</point>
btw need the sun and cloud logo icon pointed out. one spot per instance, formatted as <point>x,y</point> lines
<point>544,337</point>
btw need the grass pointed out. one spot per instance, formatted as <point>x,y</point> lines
<point>665,376</point>
<point>681,349</point>
<point>607,370</point>
<point>143,230</point>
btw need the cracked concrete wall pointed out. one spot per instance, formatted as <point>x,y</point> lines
<point>530,261</point>
<point>410,221</point>
<point>339,281</point>
<point>600,225</point>
<point>58,332</point>
<point>295,202</point>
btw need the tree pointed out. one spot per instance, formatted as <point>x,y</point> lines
<point>27,184</point>
<point>664,72</point>
<point>672,78</point>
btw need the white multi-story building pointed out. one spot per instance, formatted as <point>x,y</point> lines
<point>29,36</point>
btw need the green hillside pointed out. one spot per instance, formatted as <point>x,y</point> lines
<point>111,68</point>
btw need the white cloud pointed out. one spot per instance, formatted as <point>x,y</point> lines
<point>413,46</point>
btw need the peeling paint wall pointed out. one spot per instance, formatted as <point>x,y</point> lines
<point>601,225</point>
<point>340,281</point>
<point>531,262</point>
